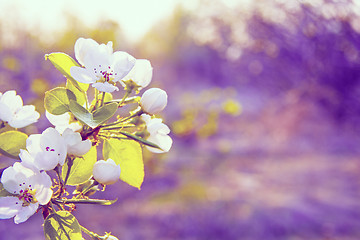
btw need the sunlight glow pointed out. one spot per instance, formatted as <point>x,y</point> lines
<point>48,17</point>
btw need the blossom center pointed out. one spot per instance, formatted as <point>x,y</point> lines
<point>27,195</point>
<point>106,74</point>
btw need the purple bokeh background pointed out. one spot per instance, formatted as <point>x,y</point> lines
<point>287,167</point>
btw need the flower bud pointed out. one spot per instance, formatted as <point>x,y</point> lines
<point>106,172</point>
<point>153,101</point>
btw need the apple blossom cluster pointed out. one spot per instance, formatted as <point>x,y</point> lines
<point>82,125</point>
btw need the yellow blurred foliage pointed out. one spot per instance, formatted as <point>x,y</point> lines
<point>39,86</point>
<point>11,63</point>
<point>232,107</point>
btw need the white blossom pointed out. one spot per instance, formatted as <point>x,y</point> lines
<point>13,111</point>
<point>46,150</point>
<point>141,74</point>
<point>102,68</point>
<point>158,134</point>
<point>62,122</point>
<point>106,172</point>
<point>29,188</point>
<point>75,145</point>
<point>153,100</point>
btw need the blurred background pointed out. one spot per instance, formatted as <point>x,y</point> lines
<point>263,107</point>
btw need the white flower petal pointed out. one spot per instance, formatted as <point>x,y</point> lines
<point>51,141</point>
<point>61,122</point>
<point>141,73</point>
<point>47,160</point>
<point>80,149</point>
<point>26,212</point>
<point>27,160</point>
<point>33,143</point>
<point>14,177</point>
<point>158,134</point>
<point>5,112</point>
<point>13,111</point>
<point>48,149</point>
<point>146,118</point>
<point>75,145</point>
<point>82,47</point>
<point>9,207</point>
<point>106,49</point>
<point>105,87</point>
<point>98,59</point>
<point>42,184</point>
<point>71,137</point>
<point>12,100</point>
<point>29,185</point>
<point>157,127</point>
<point>122,63</point>
<point>82,75</point>
<point>25,116</point>
<point>163,141</point>
<point>55,120</point>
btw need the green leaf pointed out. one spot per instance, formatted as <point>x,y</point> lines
<point>104,113</point>
<point>128,154</point>
<point>97,117</point>
<point>139,139</point>
<point>11,142</point>
<point>108,98</point>
<point>81,169</point>
<point>80,95</point>
<point>4,192</point>
<point>88,201</point>
<point>134,99</point>
<point>63,63</point>
<point>62,225</point>
<point>57,100</point>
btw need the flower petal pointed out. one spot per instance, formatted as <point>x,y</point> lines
<point>122,63</point>
<point>33,144</point>
<point>82,47</point>
<point>141,73</point>
<point>83,75</point>
<point>81,148</point>
<point>55,120</point>
<point>12,100</point>
<point>9,207</point>
<point>13,177</point>
<point>75,145</point>
<point>52,142</point>
<point>26,212</point>
<point>98,59</point>
<point>5,112</point>
<point>163,141</point>
<point>27,160</point>
<point>105,87</point>
<point>61,122</point>
<point>25,116</point>
<point>42,183</point>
